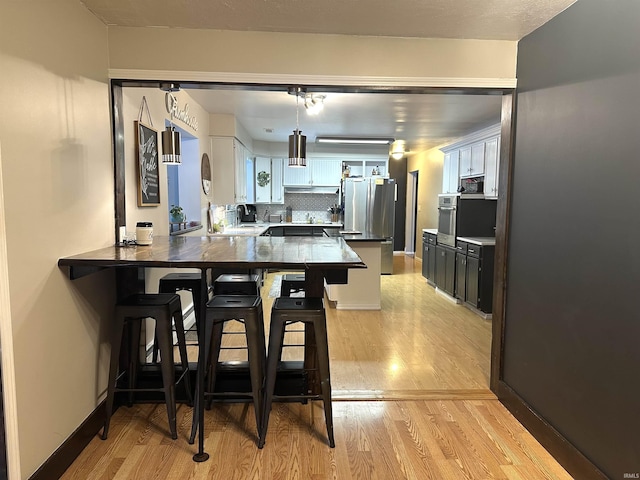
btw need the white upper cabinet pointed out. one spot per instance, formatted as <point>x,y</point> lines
<point>244,190</point>
<point>450,172</point>
<point>277,190</point>
<point>472,160</point>
<point>319,172</point>
<point>491,164</point>
<point>476,155</point>
<point>326,172</point>
<point>232,171</point>
<point>263,184</point>
<point>268,180</point>
<point>297,176</point>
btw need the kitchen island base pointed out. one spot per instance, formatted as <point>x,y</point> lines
<point>362,292</point>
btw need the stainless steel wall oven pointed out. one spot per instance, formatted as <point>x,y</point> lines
<point>464,217</point>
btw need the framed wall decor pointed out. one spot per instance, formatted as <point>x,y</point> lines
<point>148,165</point>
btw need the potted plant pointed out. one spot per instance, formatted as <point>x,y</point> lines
<point>176,214</point>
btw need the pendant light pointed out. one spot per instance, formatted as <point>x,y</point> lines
<point>297,141</point>
<point>171,146</point>
<point>170,137</point>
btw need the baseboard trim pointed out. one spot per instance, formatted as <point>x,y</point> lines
<point>66,453</point>
<point>353,395</point>
<point>557,445</point>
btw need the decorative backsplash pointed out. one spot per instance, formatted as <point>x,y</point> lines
<point>303,206</point>
<point>315,205</point>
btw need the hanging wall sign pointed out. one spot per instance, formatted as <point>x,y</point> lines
<point>173,109</point>
<point>148,165</point>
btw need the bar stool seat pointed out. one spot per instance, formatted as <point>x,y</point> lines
<point>287,311</point>
<point>237,284</point>
<point>174,282</point>
<point>292,283</point>
<point>246,309</point>
<point>131,311</point>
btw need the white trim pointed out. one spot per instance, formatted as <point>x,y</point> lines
<point>6,340</point>
<point>478,136</point>
<point>269,78</point>
<point>356,306</point>
<point>444,294</point>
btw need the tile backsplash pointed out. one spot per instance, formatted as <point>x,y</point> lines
<point>315,205</point>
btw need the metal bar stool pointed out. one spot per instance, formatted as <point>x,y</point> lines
<point>292,283</point>
<point>246,309</point>
<point>131,311</point>
<point>175,282</point>
<point>286,311</point>
<point>237,284</point>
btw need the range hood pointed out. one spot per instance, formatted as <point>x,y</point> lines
<point>310,189</point>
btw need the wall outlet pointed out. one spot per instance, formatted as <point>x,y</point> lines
<point>122,232</point>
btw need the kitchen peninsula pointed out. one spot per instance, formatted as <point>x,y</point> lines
<point>362,289</point>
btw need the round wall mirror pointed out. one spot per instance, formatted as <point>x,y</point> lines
<point>205,172</point>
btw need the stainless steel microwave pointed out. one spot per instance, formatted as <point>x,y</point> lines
<point>471,185</point>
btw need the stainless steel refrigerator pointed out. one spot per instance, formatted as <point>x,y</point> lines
<point>369,207</point>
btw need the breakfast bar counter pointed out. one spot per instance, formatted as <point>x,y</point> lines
<point>321,258</point>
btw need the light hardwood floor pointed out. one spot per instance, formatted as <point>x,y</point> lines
<point>411,401</point>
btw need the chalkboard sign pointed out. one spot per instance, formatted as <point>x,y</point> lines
<point>148,166</point>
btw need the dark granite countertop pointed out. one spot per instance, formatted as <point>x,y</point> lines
<point>354,237</point>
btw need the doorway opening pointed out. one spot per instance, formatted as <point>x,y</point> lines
<point>412,213</point>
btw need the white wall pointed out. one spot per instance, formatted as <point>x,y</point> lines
<point>159,215</point>
<point>270,53</point>
<point>57,183</point>
<point>429,167</point>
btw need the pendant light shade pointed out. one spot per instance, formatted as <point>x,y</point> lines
<point>297,141</point>
<point>171,146</point>
<point>297,149</point>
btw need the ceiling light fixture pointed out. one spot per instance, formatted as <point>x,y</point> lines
<point>397,150</point>
<point>170,137</point>
<point>314,103</point>
<point>297,141</point>
<point>356,140</point>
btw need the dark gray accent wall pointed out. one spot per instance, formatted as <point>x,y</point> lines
<point>572,322</point>
<point>398,170</point>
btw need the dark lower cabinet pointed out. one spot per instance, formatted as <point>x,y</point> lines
<point>425,258</point>
<point>479,277</point>
<point>275,232</point>
<point>304,231</point>
<point>461,274</point>
<point>429,257</point>
<point>431,263</point>
<point>445,269</point>
<point>472,281</point>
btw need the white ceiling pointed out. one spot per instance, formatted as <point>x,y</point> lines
<point>479,19</point>
<point>423,120</point>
